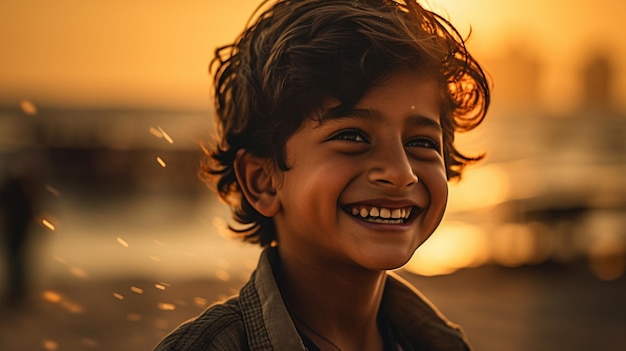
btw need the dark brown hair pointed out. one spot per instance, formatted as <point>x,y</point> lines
<point>298,53</point>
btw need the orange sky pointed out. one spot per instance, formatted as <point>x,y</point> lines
<point>154,53</point>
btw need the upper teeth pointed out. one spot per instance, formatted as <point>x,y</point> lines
<point>382,212</point>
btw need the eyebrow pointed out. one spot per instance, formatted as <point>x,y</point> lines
<point>415,120</point>
<point>423,121</point>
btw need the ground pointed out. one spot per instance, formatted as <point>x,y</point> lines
<point>539,308</point>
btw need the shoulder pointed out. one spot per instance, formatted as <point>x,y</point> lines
<point>420,322</point>
<point>220,327</point>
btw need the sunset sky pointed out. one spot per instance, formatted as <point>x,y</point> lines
<point>155,53</point>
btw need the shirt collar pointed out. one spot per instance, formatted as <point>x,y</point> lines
<point>267,321</point>
<point>418,319</point>
<point>269,325</point>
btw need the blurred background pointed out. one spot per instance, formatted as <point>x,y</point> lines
<point>104,105</point>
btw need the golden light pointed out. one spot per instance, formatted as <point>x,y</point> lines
<point>159,57</point>
<point>608,267</point>
<point>607,255</point>
<point>481,187</point>
<point>453,246</point>
<point>512,245</point>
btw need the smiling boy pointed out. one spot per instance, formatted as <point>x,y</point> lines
<point>337,122</point>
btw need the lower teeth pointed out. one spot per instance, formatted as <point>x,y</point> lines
<point>384,221</point>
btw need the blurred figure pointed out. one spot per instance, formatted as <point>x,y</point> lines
<point>597,77</point>
<point>17,210</point>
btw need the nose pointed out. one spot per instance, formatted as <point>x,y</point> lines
<point>392,168</point>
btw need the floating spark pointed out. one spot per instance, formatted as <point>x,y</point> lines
<point>161,162</point>
<point>89,342</point>
<point>122,242</point>
<point>51,296</point>
<point>181,303</point>
<point>166,306</point>
<point>48,224</point>
<point>222,275</point>
<point>54,297</point>
<point>156,132</point>
<point>160,133</point>
<point>72,307</point>
<point>52,190</point>
<point>136,290</point>
<point>200,301</point>
<point>28,107</point>
<point>223,263</point>
<point>162,324</point>
<point>158,242</point>
<point>166,136</point>
<point>133,317</point>
<point>161,286</point>
<point>118,296</point>
<point>50,345</point>
<point>78,272</point>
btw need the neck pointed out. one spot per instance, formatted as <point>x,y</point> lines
<point>333,303</point>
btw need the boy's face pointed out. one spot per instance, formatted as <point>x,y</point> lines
<point>369,188</point>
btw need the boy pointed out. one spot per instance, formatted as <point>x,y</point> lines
<point>337,122</point>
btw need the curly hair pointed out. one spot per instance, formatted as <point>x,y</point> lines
<point>298,53</point>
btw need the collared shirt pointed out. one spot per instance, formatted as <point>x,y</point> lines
<point>257,319</point>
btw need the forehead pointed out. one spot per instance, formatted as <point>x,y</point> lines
<point>404,92</point>
<point>405,88</point>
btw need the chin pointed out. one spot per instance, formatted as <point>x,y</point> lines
<point>386,262</point>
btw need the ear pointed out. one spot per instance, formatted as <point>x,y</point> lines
<point>257,181</point>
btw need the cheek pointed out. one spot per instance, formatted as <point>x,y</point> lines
<point>444,194</point>
<point>312,189</point>
<point>436,183</point>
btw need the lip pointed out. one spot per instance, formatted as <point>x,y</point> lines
<point>389,203</point>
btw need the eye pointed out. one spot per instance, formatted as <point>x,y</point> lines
<point>353,135</point>
<point>424,142</point>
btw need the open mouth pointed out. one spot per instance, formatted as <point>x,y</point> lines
<point>382,215</point>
